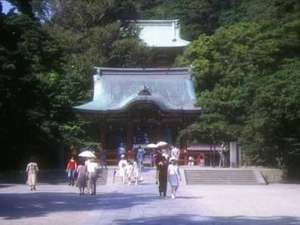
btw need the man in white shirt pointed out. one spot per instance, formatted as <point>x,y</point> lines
<point>92,169</point>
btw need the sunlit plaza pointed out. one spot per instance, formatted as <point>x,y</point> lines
<point>117,204</point>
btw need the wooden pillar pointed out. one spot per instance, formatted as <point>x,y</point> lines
<point>233,154</point>
<point>129,138</point>
<point>183,149</point>
<point>159,132</point>
<point>103,135</point>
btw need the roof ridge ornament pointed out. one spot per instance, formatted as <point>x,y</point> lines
<point>145,91</point>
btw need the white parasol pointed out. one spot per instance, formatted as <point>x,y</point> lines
<point>151,145</point>
<point>87,154</point>
<point>161,144</point>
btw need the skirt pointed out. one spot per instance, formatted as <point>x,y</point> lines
<point>173,180</point>
<point>31,180</point>
<point>81,181</point>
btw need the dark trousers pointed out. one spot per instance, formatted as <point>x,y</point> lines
<point>162,186</point>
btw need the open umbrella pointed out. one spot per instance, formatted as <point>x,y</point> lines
<point>151,145</point>
<point>161,144</point>
<point>87,154</point>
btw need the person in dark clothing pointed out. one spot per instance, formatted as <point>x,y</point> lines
<point>162,176</point>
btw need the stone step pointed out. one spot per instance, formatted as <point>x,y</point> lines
<point>228,176</point>
<point>102,178</point>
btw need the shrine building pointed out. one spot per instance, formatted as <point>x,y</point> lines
<point>137,106</point>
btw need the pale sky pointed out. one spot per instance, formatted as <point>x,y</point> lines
<point>6,6</point>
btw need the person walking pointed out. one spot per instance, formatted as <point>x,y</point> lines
<point>92,168</point>
<point>123,168</point>
<point>121,151</point>
<point>81,177</point>
<point>162,176</point>
<point>71,170</point>
<point>32,170</point>
<point>175,152</point>
<point>140,157</point>
<point>173,176</point>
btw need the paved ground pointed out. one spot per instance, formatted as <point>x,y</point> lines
<point>115,204</point>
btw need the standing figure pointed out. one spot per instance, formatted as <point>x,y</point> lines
<point>71,170</point>
<point>162,176</point>
<point>191,161</point>
<point>92,169</point>
<point>122,168</point>
<point>32,170</point>
<point>129,172</point>
<point>140,157</point>
<point>137,176</point>
<point>175,152</point>
<point>81,177</point>
<point>173,176</point>
<point>121,150</point>
<point>221,152</point>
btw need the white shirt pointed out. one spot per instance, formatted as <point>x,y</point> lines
<point>173,170</point>
<point>175,153</point>
<point>92,167</point>
<point>123,163</point>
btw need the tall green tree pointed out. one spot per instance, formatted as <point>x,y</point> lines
<point>27,114</point>
<point>246,74</point>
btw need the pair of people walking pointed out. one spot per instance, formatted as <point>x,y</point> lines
<point>87,173</point>
<point>167,172</point>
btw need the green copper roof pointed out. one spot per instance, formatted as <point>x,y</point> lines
<point>118,89</point>
<point>160,33</point>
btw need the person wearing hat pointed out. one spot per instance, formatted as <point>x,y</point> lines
<point>173,176</point>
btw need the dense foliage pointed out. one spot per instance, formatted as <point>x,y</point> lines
<point>247,73</point>
<point>244,54</point>
<point>29,108</point>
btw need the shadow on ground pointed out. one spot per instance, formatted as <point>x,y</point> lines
<point>15,206</point>
<point>44,176</point>
<point>5,185</point>
<point>189,219</point>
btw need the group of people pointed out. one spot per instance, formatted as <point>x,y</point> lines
<point>129,171</point>
<point>167,170</point>
<point>86,174</point>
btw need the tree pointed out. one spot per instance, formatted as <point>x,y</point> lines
<point>28,57</point>
<point>244,76</point>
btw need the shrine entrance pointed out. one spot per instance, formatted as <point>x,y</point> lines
<point>143,123</point>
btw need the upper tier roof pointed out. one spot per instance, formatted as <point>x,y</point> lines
<point>160,33</point>
<point>117,89</point>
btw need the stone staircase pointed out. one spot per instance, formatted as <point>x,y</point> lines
<point>223,176</point>
<point>102,177</point>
